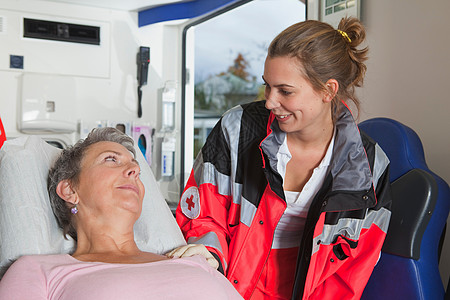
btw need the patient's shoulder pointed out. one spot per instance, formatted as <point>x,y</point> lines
<point>52,259</point>
<point>39,265</point>
<point>45,257</point>
<point>23,267</point>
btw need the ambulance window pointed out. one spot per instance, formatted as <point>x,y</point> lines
<point>228,60</point>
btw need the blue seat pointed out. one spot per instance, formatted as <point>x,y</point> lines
<point>408,267</point>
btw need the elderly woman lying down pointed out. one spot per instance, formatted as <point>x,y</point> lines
<point>96,196</point>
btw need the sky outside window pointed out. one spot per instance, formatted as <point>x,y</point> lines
<point>248,30</point>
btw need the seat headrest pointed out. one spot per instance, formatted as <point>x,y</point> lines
<point>401,144</point>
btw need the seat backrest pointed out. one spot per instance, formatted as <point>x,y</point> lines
<point>408,267</point>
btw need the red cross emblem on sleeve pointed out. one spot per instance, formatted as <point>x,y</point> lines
<point>190,203</point>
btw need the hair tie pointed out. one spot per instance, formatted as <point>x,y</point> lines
<point>345,35</point>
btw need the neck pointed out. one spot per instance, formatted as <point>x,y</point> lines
<point>100,240</point>
<point>108,250</point>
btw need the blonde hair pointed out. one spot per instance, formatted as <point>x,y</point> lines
<point>327,53</point>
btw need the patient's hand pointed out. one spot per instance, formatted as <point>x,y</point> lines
<point>194,249</point>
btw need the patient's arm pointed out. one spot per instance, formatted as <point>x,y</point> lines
<point>23,280</point>
<point>194,249</point>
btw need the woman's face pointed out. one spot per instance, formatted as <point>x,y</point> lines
<point>109,183</point>
<point>291,97</point>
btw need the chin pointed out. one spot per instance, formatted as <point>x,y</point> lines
<point>287,129</point>
<point>133,206</point>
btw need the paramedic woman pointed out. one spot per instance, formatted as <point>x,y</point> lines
<point>287,194</point>
<point>96,196</point>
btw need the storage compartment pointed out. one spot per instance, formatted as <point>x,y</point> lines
<point>58,45</point>
<point>48,104</point>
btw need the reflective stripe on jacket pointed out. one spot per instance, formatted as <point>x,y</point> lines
<point>239,200</point>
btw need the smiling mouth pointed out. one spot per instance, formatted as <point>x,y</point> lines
<point>282,116</point>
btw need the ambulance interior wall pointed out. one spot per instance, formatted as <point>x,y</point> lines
<point>407,78</point>
<point>104,75</point>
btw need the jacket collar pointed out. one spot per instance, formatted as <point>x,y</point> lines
<point>349,165</point>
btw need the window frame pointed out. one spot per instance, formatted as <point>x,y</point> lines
<point>184,78</point>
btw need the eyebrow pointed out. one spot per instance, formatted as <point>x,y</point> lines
<point>118,154</point>
<point>278,85</point>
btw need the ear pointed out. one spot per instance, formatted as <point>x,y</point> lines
<point>332,89</point>
<point>66,192</point>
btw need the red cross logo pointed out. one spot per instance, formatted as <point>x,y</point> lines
<point>190,203</point>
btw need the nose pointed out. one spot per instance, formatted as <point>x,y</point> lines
<point>271,100</point>
<point>132,170</point>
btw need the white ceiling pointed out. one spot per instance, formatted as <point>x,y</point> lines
<point>128,5</point>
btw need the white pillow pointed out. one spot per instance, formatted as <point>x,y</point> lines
<point>27,223</point>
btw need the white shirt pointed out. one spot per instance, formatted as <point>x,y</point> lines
<point>290,228</point>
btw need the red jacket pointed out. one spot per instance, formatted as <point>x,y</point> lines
<point>234,199</point>
<point>2,134</point>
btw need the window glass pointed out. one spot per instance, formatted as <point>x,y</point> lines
<point>230,50</point>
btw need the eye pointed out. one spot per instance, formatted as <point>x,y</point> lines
<point>285,93</point>
<point>112,158</point>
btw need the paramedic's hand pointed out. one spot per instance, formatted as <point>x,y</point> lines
<point>194,249</point>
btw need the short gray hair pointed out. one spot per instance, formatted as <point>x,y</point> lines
<point>68,167</point>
